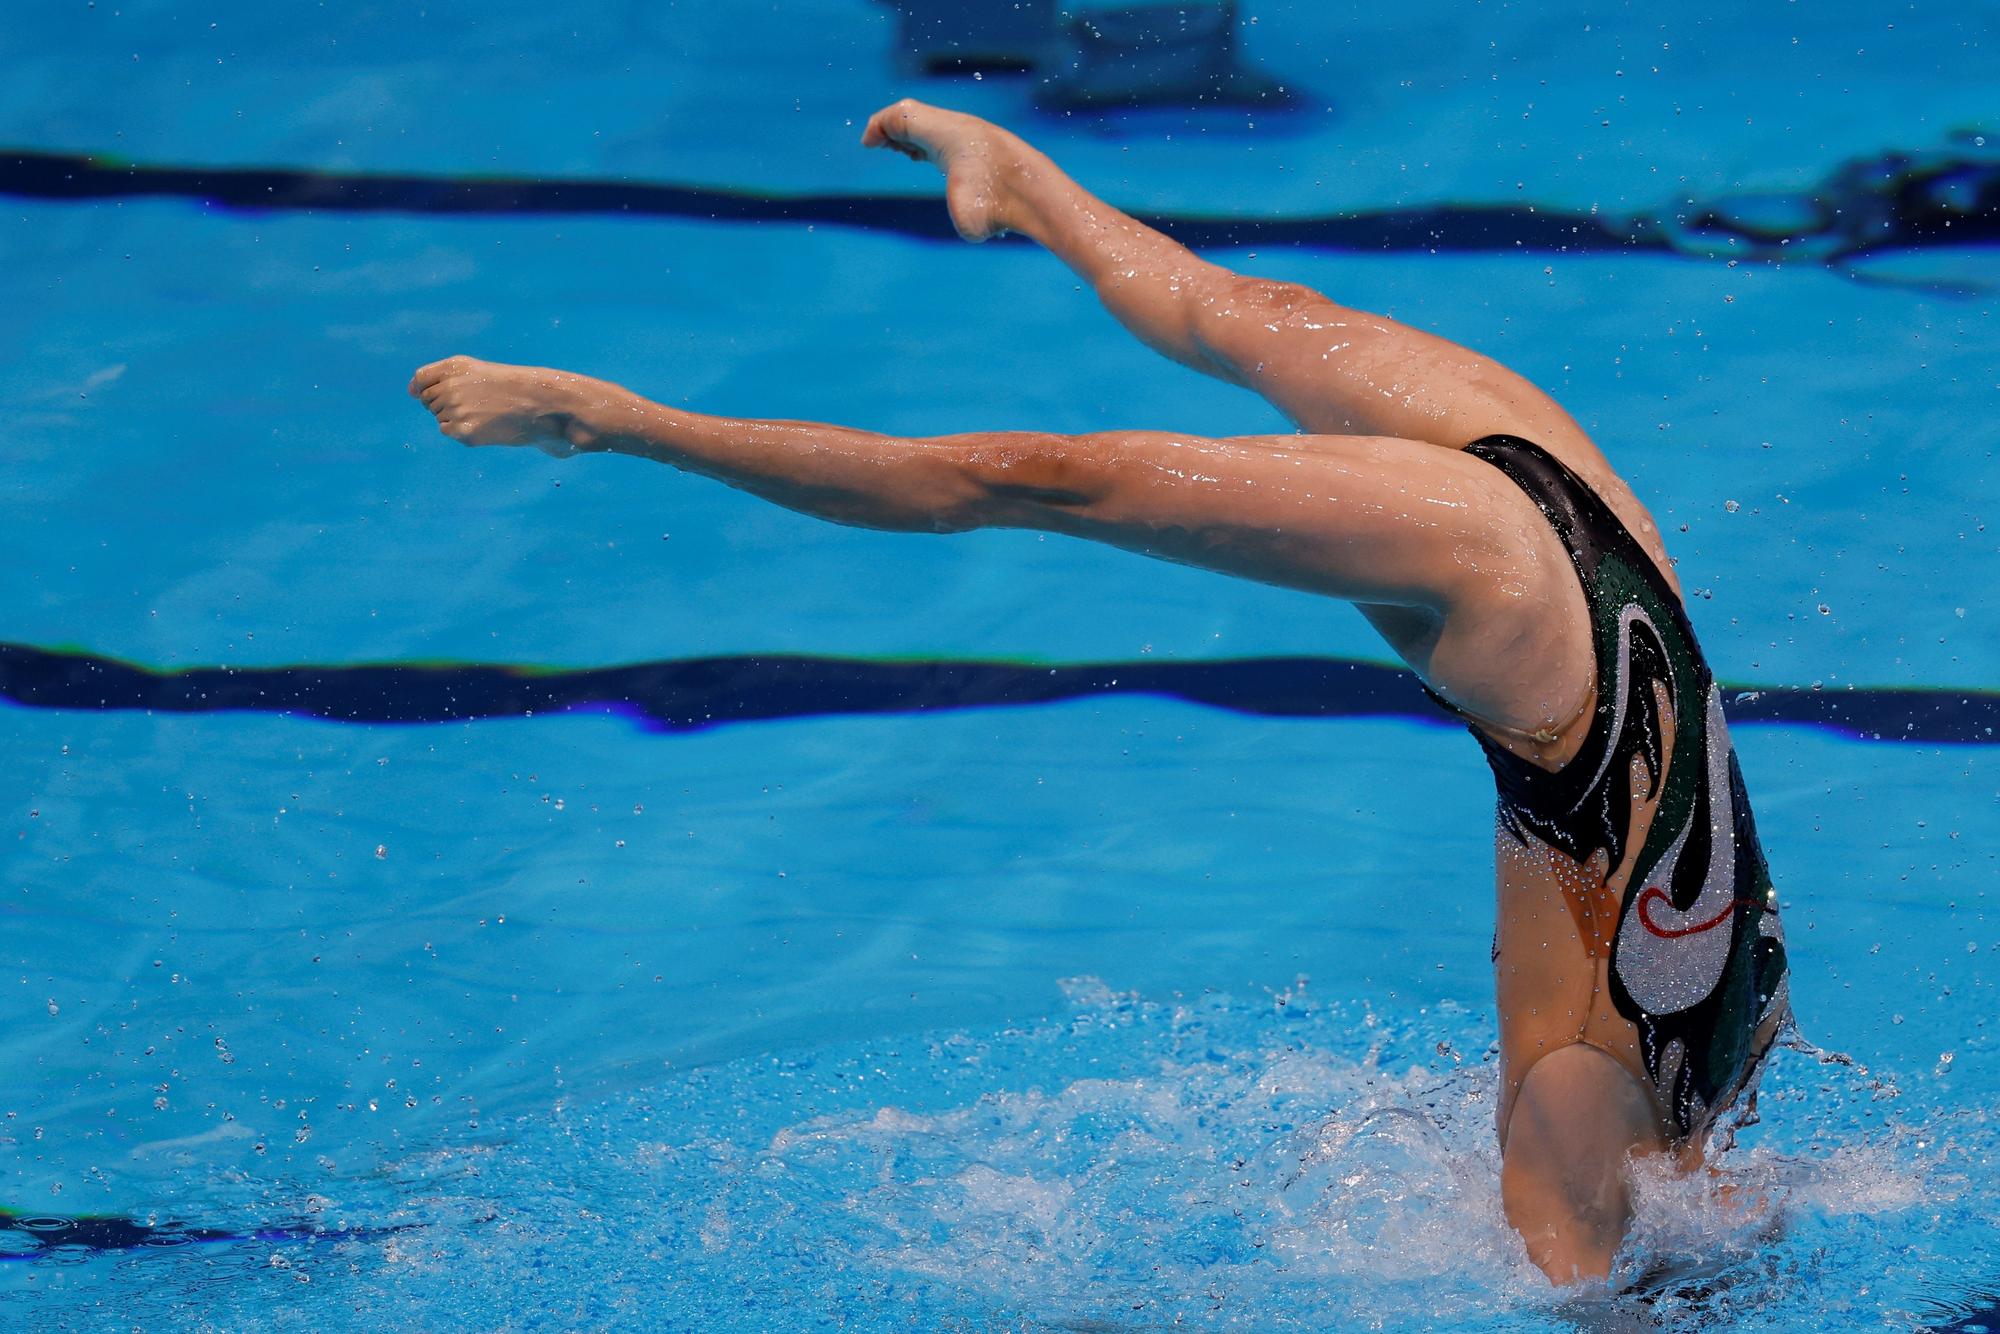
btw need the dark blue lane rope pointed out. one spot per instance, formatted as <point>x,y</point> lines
<point>1894,201</point>
<point>688,694</point>
<point>34,175</point>
<point>32,1237</point>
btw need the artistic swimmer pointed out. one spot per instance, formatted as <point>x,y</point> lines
<point>1639,963</point>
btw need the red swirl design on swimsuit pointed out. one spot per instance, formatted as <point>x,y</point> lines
<point>1654,894</point>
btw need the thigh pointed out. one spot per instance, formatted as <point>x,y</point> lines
<point>1335,370</point>
<point>1455,563</point>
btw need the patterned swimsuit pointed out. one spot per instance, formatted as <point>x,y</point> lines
<point>1698,956</point>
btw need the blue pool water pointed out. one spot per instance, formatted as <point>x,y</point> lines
<point>1113,1011</point>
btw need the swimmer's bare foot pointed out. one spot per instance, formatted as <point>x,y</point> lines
<point>982,163</point>
<point>488,403</point>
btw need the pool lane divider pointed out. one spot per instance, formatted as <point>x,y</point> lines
<point>691,694</point>
<point>1895,201</point>
<point>66,176</point>
<point>33,1237</point>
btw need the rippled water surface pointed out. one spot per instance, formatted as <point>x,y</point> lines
<point>413,974</point>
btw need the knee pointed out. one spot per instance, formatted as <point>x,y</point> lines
<point>1040,473</point>
<point>1236,311</point>
<point>1265,299</point>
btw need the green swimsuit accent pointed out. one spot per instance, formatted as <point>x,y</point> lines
<point>1698,961</point>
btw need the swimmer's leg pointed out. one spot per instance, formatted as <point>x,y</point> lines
<point>1451,560</point>
<point>1330,369</point>
<point>1565,1178</point>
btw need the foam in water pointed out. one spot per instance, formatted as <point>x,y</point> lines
<point>1277,1165</point>
<point>1285,1165</point>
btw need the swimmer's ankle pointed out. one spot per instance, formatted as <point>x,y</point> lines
<point>1028,185</point>
<point>577,411</point>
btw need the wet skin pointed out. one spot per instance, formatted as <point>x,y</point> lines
<point>1371,502</point>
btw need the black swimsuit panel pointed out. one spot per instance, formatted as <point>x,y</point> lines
<point>1698,959</point>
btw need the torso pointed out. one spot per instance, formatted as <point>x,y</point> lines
<point>1635,910</point>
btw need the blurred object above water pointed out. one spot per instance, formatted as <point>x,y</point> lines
<point>1087,52</point>
<point>1129,55</point>
<point>1896,200</point>
<point>935,37</point>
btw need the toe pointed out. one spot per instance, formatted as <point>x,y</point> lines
<point>887,127</point>
<point>427,376</point>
